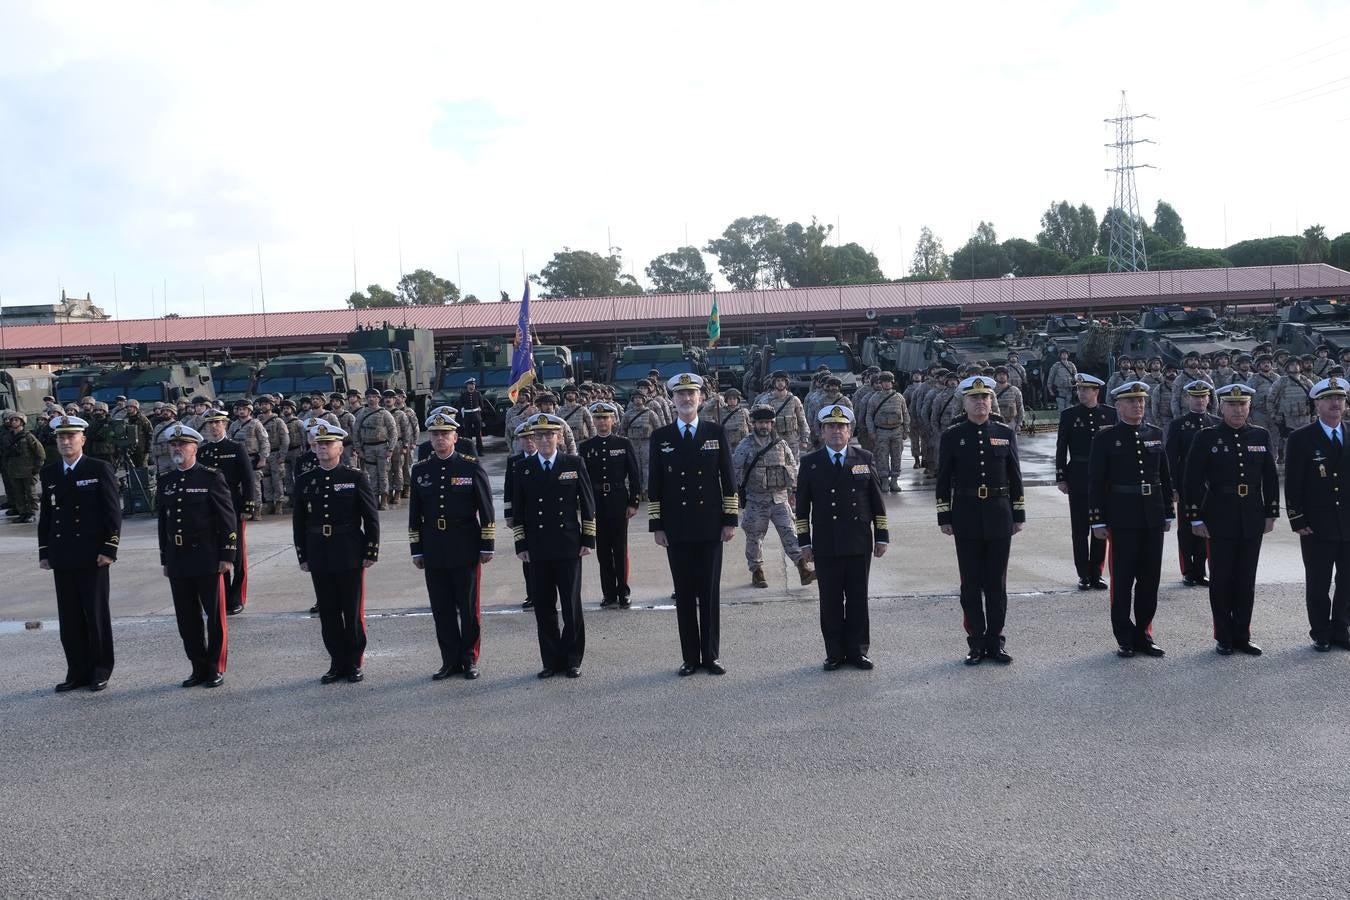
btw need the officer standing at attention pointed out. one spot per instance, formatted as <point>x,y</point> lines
<point>274,465</point>
<point>1315,469</point>
<point>1232,499</point>
<point>1078,425</point>
<point>375,440</point>
<point>767,470</point>
<point>1132,505</point>
<point>1191,549</point>
<point>981,504</point>
<point>196,552</point>
<point>336,532</point>
<point>733,417</point>
<point>612,464</point>
<point>522,438</point>
<point>220,453</point>
<point>452,534</point>
<point>887,419</point>
<point>576,414</point>
<point>1063,375</point>
<point>471,414</point>
<point>638,426</point>
<point>841,525</point>
<point>24,457</point>
<point>79,528</point>
<point>553,509</point>
<point>691,511</point>
<point>250,435</point>
<point>424,449</point>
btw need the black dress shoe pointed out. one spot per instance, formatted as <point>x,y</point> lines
<point>688,669</point>
<point>1099,585</point>
<point>608,602</point>
<point>573,671</point>
<point>70,685</point>
<point>974,657</point>
<point>193,680</point>
<point>1124,652</point>
<point>715,668</point>
<point>215,679</point>
<point>235,610</point>
<point>1318,645</point>
<point>545,673</point>
<point>999,656</point>
<point>1084,584</point>
<point>444,673</point>
<point>97,685</point>
<point>356,675</point>
<point>1202,581</point>
<point>528,604</point>
<point>470,673</point>
<point>314,610</point>
<point>1189,582</point>
<point>1248,648</point>
<point>1223,649</point>
<point>625,603</point>
<point>831,664</point>
<point>1148,648</point>
<point>329,677</point>
<point>862,662</point>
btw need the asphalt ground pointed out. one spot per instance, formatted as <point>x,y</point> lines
<point>1069,773</point>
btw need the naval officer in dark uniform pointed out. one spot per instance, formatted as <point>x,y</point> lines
<point>1078,425</point>
<point>79,529</point>
<point>841,524</point>
<point>612,464</point>
<point>424,449</point>
<point>1191,547</point>
<point>219,452</point>
<point>513,460</point>
<point>1132,505</point>
<point>1316,466</point>
<point>336,531</point>
<point>553,511</point>
<point>692,510</point>
<point>980,503</point>
<point>1232,496</point>
<point>452,534</point>
<point>196,552</point>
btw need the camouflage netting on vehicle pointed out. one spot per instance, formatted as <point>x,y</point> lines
<point>1098,346</point>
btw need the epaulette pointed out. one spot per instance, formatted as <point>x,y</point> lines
<point>419,462</point>
<point>209,468</point>
<point>469,457</point>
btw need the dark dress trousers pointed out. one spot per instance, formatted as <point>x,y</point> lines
<point>1192,551</point>
<point>1132,495</point>
<point>335,528</point>
<point>612,464</point>
<point>979,494</point>
<point>233,462</point>
<point>196,534</point>
<point>450,522</point>
<point>1232,485</point>
<point>840,515</point>
<point>1078,425</point>
<point>691,495</point>
<point>80,520</point>
<point>508,491</point>
<point>553,516</point>
<point>1315,470</point>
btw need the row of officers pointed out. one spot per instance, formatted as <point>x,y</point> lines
<point>561,507</point>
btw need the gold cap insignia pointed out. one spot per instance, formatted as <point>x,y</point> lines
<point>684,379</point>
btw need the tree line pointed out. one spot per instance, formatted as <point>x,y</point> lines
<point>756,252</point>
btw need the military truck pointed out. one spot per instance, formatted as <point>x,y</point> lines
<point>149,384</point>
<point>399,358</point>
<point>799,358</point>
<point>1170,332</point>
<point>553,366</point>
<point>235,379</point>
<point>74,383</point>
<point>490,364</point>
<point>304,373</point>
<point>633,363</point>
<point>23,390</point>
<point>731,365</point>
<point>1304,325</point>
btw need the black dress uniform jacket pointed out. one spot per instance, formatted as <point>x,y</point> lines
<point>1231,482</point>
<point>233,462</point>
<point>1078,425</point>
<point>553,513</point>
<point>691,489</point>
<point>1181,434</point>
<point>335,525</point>
<point>81,515</point>
<point>979,481</point>
<point>840,510</point>
<point>196,522</point>
<point>1314,473</point>
<point>450,503</point>
<point>1131,482</point>
<point>611,462</point>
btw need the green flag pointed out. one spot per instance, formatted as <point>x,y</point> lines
<point>714,324</point>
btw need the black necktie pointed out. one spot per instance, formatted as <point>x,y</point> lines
<point>548,465</point>
<point>688,432</point>
<point>838,460</point>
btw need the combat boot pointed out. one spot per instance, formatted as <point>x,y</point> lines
<point>384,502</point>
<point>404,493</point>
<point>757,579</point>
<point>806,574</point>
<point>276,507</point>
<point>886,485</point>
<point>895,484</point>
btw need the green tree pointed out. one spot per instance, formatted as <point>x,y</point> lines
<point>1167,225</point>
<point>581,273</point>
<point>854,264</point>
<point>424,288</point>
<point>679,271</point>
<point>1030,259</point>
<point>1316,246</point>
<point>981,257</point>
<point>930,261</point>
<point>748,252</point>
<point>1338,254</point>
<point>1088,265</point>
<point>1188,258</point>
<point>374,296</point>
<point>803,257</point>
<point>1071,231</point>
<point>1282,250</point>
<point>470,298</point>
<point>1104,232</point>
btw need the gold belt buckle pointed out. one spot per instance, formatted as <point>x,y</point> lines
<point>1242,490</point>
<point>604,487</point>
<point>328,531</point>
<point>178,540</point>
<point>440,523</point>
<point>983,492</point>
<point>1146,490</point>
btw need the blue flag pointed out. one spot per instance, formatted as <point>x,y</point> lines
<point>522,361</point>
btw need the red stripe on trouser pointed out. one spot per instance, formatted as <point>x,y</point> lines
<point>224,628</point>
<point>477,611</point>
<point>243,564</point>
<point>361,616</point>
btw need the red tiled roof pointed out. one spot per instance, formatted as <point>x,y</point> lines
<point>601,315</point>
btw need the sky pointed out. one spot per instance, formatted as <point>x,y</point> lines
<point>199,156</point>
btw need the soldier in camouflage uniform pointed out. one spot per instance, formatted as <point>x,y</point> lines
<point>23,457</point>
<point>887,416</point>
<point>576,415</point>
<point>638,425</point>
<point>347,422</point>
<point>766,470</point>
<point>916,436</point>
<point>1008,399</point>
<point>296,443</point>
<point>250,435</point>
<point>789,415</point>
<point>1017,373</point>
<point>160,451</point>
<point>1160,400</point>
<point>1323,362</point>
<point>1263,382</point>
<point>376,440</point>
<point>922,417</point>
<point>278,444</point>
<point>396,474</point>
<point>732,416</point>
<point>656,402</point>
<point>519,412</point>
<point>1289,405</point>
<point>1059,382</point>
<point>829,394</point>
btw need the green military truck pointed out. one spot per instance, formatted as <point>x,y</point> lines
<point>633,363</point>
<point>235,379</point>
<point>148,384</point>
<point>23,390</point>
<point>299,374</point>
<point>399,358</point>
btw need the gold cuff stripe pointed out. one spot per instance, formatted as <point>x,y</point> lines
<point>944,507</point>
